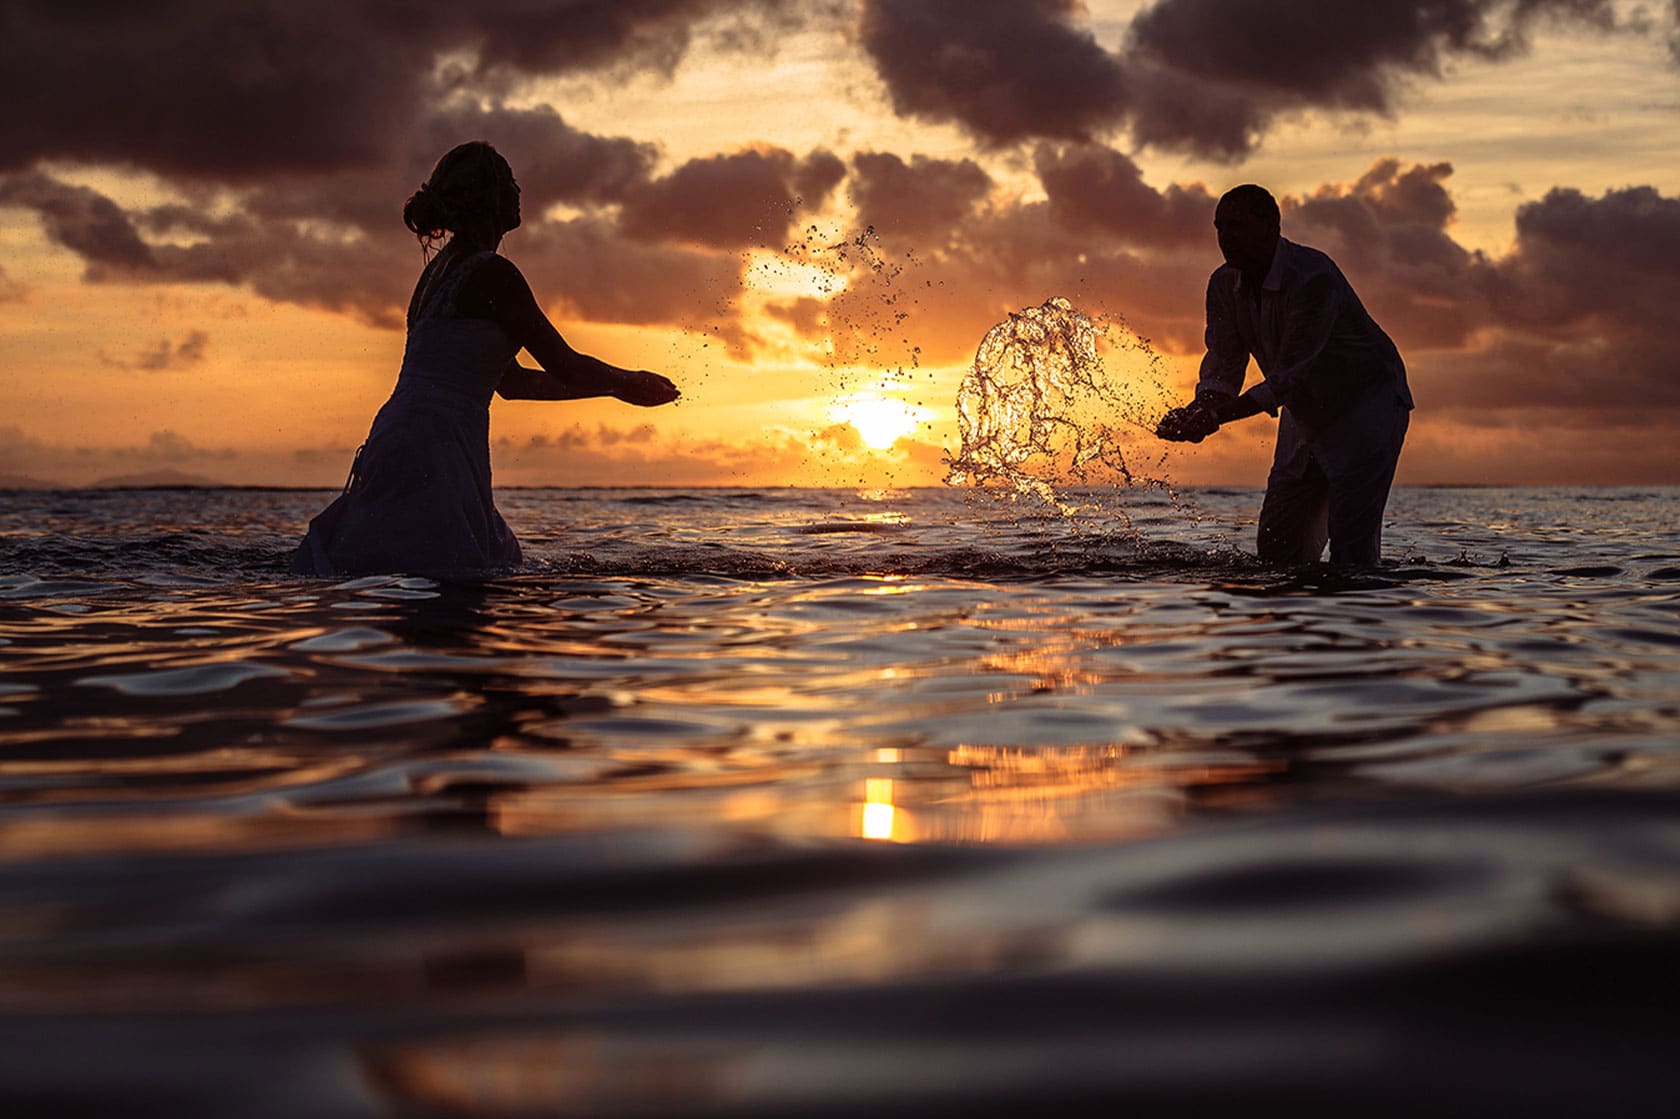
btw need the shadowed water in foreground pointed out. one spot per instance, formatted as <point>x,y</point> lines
<point>812,802</point>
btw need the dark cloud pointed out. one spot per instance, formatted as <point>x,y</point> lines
<point>83,221</point>
<point>1586,303</point>
<point>1210,75</point>
<point>237,92</point>
<point>1177,111</point>
<point>1389,230</point>
<point>925,198</point>
<point>585,262</point>
<point>550,38</point>
<point>1103,239</point>
<point>298,197</point>
<point>280,260</point>
<point>333,239</point>
<point>1611,259</point>
<point>292,134</point>
<point>732,201</point>
<point>197,87</point>
<point>601,275</point>
<point>369,282</point>
<point>1007,70</point>
<point>1587,382</point>
<point>1573,322</point>
<point>815,178</point>
<point>553,161</point>
<point>1207,76</point>
<point>186,352</point>
<point>1337,54</point>
<point>1095,188</point>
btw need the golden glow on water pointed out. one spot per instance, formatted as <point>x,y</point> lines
<point>133,834</point>
<point>902,707</point>
<point>627,797</point>
<point>700,820</point>
<point>1003,721</point>
<point>561,1074</point>
<point>993,766</point>
<point>892,584</point>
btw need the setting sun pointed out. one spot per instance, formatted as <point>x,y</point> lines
<point>880,420</point>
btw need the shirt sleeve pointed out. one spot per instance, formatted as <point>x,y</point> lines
<point>1226,362</point>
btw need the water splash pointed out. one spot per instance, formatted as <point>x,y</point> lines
<point>1041,409</point>
<point>842,300</point>
<point>867,326</point>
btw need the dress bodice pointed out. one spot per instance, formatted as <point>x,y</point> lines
<point>450,353</point>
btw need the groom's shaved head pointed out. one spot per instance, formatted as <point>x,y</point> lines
<point>1254,200</point>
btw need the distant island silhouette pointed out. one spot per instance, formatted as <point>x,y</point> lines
<point>155,479</point>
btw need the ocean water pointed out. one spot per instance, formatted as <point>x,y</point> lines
<point>834,802</point>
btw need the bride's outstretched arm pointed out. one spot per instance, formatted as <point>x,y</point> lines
<point>566,373</point>
<point>634,386</point>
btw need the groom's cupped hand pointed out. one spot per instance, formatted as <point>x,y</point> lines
<point>1189,424</point>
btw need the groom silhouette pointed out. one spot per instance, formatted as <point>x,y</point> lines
<point>1328,371</point>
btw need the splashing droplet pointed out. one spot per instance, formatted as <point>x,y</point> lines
<point>1040,409</point>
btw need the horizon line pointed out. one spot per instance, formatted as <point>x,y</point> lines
<point>33,486</point>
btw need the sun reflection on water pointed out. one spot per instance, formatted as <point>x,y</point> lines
<point>879,812</point>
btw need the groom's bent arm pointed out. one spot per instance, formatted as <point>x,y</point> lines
<point>1225,365</point>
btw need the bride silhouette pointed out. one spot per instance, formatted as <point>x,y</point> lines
<point>418,497</point>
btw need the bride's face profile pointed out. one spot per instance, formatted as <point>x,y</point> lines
<point>507,203</point>
<point>498,200</point>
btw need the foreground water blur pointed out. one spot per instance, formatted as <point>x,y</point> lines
<point>811,802</point>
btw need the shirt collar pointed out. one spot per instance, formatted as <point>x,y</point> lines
<point>1274,274</point>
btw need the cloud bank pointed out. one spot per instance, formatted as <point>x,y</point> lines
<point>273,146</point>
<point>1204,76</point>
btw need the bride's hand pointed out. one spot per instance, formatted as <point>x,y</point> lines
<point>645,389</point>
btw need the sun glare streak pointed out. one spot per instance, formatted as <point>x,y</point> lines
<point>774,274</point>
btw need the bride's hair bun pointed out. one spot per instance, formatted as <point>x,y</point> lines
<point>425,213</point>
<point>466,187</point>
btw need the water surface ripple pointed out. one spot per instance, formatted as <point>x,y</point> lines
<point>812,802</point>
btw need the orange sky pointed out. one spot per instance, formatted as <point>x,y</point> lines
<point>202,267</point>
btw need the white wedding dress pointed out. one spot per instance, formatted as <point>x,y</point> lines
<point>418,498</point>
